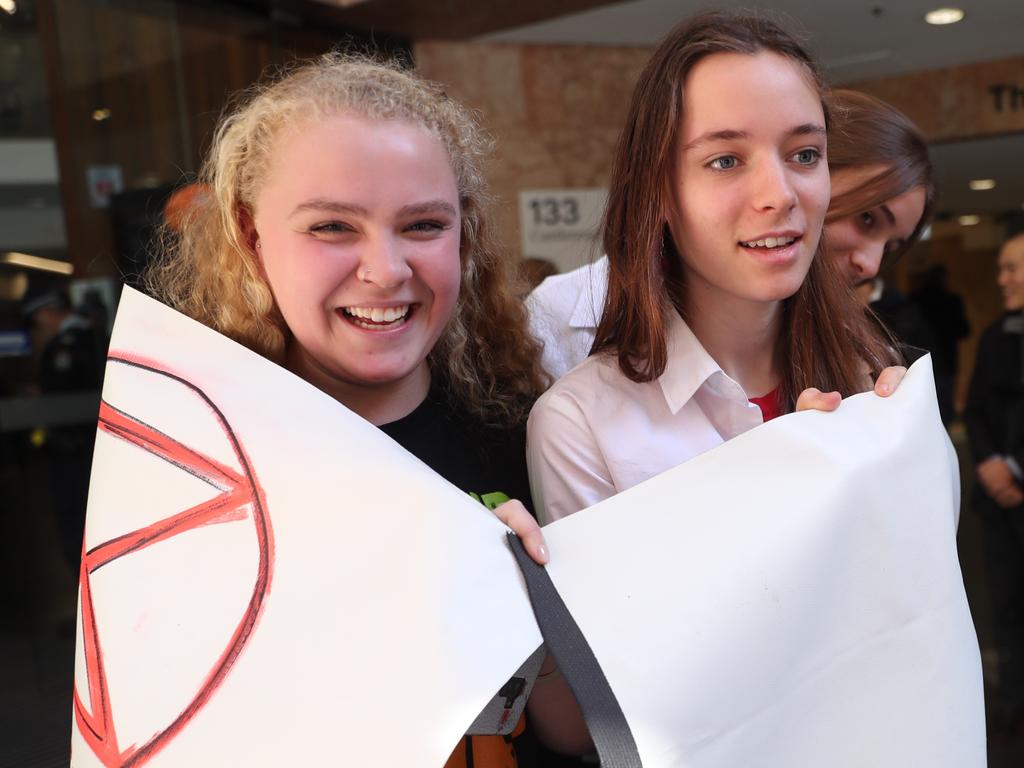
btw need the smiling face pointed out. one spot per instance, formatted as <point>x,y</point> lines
<point>1011,274</point>
<point>751,185</point>
<point>861,241</point>
<point>358,228</point>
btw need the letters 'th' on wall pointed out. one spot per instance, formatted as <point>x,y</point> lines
<point>972,101</point>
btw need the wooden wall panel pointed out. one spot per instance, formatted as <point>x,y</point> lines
<point>165,71</point>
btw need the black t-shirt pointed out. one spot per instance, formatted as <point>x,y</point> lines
<point>487,462</point>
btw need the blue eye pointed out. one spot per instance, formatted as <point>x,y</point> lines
<point>808,156</point>
<point>724,163</point>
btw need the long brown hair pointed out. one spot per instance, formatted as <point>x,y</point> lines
<point>867,132</point>
<point>208,270</point>
<point>824,337</point>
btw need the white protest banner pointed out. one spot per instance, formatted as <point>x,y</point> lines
<point>790,598</point>
<point>270,580</point>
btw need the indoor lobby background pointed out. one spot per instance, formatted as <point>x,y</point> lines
<point>106,107</point>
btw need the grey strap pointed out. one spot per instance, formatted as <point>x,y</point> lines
<point>571,651</point>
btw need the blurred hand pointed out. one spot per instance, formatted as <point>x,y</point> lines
<point>1011,497</point>
<point>997,479</point>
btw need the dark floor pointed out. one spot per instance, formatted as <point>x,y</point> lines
<point>38,597</point>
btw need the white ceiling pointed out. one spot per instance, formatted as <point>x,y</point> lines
<point>854,39</point>
<point>1001,159</point>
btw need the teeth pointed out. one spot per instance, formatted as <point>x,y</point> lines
<point>769,242</point>
<point>378,314</point>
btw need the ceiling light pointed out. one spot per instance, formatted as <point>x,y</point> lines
<point>36,262</point>
<point>9,5</point>
<point>969,221</point>
<point>99,115</point>
<point>979,185</point>
<point>944,16</point>
<point>343,3</point>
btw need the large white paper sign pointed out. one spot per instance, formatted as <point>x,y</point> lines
<point>791,598</point>
<point>270,580</point>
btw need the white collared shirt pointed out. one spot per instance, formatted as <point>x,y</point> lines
<point>564,311</point>
<point>596,433</point>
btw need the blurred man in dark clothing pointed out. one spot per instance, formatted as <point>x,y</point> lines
<point>995,425</point>
<point>899,316</point>
<point>943,310</point>
<point>70,361</point>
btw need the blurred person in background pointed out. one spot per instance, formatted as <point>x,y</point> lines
<point>995,425</point>
<point>943,310</point>
<point>534,270</point>
<point>70,361</point>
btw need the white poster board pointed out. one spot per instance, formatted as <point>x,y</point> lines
<point>269,580</point>
<point>790,598</point>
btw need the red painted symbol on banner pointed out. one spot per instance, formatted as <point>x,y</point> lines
<point>240,498</point>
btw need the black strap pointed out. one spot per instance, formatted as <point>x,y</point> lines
<point>565,642</point>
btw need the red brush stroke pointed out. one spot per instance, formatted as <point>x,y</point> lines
<point>239,493</point>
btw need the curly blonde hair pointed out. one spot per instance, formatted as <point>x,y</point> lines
<point>208,269</point>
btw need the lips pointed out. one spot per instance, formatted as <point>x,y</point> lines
<point>377,318</point>
<point>772,240</point>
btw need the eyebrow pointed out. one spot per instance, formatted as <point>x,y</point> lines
<point>888,213</point>
<point>807,129</point>
<point>335,206</point>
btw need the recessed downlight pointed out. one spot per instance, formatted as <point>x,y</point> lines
<point>101,114</point>
<point>944,16</point>
<point>980,185</point>
<point>969,221</point>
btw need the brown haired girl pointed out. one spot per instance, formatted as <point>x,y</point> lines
<point>882,185</point>
<point>346,236</point>
<point>720,310</point>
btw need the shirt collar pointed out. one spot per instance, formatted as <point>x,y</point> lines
<point>590,299</point>
<point>877,290</point>
<point>688,364</point>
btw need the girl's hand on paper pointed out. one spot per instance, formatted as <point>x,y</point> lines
<point>816,400</point>
<point>514,515</point>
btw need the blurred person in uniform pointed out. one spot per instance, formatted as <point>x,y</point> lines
<point>995,425</point>
<point>69,361</point>
<point>943,310</point>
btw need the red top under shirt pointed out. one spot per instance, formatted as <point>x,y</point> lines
<point>769,404</point>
